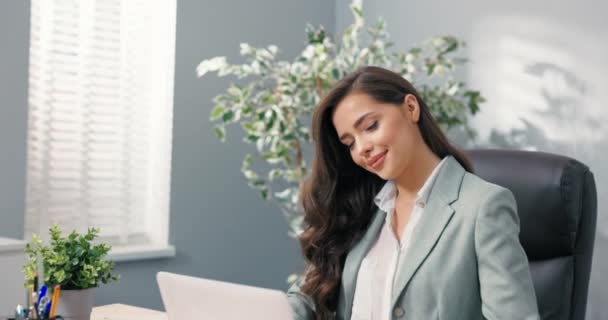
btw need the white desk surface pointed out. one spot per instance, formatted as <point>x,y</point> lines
<point>125,312</point>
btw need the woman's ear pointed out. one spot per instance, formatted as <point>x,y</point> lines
<point>411,106</point>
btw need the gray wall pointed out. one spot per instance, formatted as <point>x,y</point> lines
<point>220,228</point>
<point>542,66</point>
<point>14,56</point>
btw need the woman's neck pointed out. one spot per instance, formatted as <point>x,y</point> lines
<point>416,174</point>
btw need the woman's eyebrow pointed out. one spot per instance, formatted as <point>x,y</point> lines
<point>358,123</point>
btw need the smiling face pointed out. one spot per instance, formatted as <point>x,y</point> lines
<point>382,138</point>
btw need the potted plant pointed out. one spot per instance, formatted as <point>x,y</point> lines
<point>273,100</point>
<point>75,263</point>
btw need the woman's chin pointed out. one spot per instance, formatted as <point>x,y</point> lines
<point>384,174</point>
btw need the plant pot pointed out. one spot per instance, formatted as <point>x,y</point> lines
<point>75,304</point>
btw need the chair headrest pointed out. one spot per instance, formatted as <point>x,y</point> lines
<point>552,194</point>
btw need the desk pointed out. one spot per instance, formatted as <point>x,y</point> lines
<point>125,312</point>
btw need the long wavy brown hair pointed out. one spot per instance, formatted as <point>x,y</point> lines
<point>337,196</point>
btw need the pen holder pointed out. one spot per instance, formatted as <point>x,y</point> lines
<point>76,304</point>
<point>27,318</point>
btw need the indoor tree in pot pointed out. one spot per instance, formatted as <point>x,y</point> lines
<point>273,100</point>
<point>75,263</point>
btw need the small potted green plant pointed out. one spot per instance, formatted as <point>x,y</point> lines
<point>75,263</point>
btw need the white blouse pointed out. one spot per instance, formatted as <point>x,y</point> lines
<point>375,277</point>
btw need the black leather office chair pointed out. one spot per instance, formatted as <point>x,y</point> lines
<point>557,205</point>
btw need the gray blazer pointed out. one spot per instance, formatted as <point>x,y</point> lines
<point>465,261</point>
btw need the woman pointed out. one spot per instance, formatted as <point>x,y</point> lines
<point>397,224</point>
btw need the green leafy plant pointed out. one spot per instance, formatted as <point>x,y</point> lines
<point>72,261</point>
<point>274,104</point>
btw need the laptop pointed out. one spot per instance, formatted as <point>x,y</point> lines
<point>188,297</point>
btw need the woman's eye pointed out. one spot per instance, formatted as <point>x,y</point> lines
<point>373,126</point>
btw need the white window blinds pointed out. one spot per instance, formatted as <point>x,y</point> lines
<point>100,118</point>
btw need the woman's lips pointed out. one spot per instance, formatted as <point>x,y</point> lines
<point>377,161</point>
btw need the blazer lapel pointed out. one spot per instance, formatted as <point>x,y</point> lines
<point>354,258</point>
<point>436,216</point>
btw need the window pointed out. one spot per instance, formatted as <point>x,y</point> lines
<point>100,119</point>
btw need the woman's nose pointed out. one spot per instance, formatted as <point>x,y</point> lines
<point>365,149</point>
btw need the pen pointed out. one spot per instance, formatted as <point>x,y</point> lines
<point>42,307</point>
<point>42,293</point>
<point>35,303</point>
<point>34,298</point>
<point>56,292</point>
<point>31,314</point>
<point>18,311</point>
<point>36,282</point>
<point>29,295</point>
